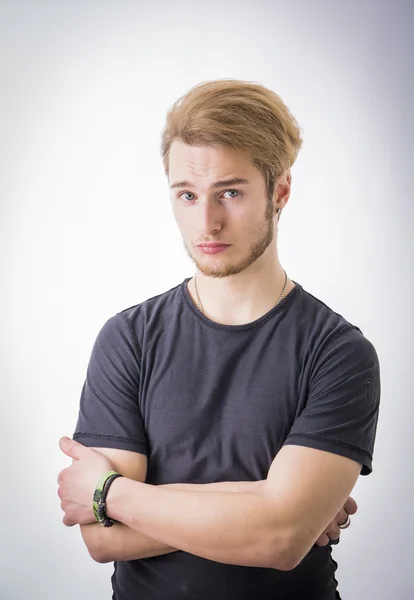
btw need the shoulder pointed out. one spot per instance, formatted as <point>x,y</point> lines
<point>329,334</point>
<point>153,306</point>
<point>155,312</point>
<point>121,335</point>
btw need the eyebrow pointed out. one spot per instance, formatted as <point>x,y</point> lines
<point>216,184</point>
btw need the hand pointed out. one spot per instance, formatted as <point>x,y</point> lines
<point>77,483</point>
<point>332,532</point>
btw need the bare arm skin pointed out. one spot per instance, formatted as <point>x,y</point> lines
<point>107,544</point>
<point>274,527</point>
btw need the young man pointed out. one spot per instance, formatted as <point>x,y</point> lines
<point>246,405</point>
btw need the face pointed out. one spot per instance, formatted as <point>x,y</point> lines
<point>212,205</point>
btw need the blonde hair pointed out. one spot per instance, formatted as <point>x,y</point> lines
<point>242,115</point>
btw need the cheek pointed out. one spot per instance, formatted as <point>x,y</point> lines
<point>184,221</point>
<point>178,216</point>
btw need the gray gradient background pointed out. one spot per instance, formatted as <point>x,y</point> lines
<point>86,230</point>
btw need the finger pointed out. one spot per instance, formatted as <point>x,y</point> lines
<point>67,521</point>
<point>322,540</point>
<point>334,532</point>
<point>340,518</point>
<point>72,448</point>
<point>350,506</point>
<point>343,526</point>
<point>60,476</point>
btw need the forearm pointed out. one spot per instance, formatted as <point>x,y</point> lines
<point>231,528</point>
<point>107,544</point>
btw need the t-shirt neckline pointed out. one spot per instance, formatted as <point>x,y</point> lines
<point>283,304</point>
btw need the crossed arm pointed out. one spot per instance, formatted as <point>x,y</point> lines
<point>273,522</point>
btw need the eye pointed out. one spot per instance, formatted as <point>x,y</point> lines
<point>233,194</point>
<point>233,191</point>
<point>186,194</point>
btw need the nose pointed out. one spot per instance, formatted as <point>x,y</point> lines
<point>211,217</point>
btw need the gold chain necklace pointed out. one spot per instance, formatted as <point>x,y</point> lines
<point>200,306</point>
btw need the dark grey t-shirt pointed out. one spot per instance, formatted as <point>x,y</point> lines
<point>209,402</point>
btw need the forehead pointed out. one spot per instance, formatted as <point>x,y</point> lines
<point>205,163</point>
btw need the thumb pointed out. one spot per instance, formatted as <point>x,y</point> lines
<point>73,449</point>
<point>351,506</point>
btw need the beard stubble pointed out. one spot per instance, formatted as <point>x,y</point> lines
<point>263,239</point>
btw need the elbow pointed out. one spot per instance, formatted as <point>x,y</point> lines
<point>99,556</point>
<point>275,556</point>
<point>287,560</point>
<point>102,560</point>
<point>292,555</point>
<point>281,555</point>
<point>285,564</point>
<point>94,544</point>
<point>279,562</point>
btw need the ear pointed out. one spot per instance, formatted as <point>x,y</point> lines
<point>282,190</point>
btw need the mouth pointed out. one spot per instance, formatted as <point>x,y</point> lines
<point>213,248</point>
<point>212,245</point>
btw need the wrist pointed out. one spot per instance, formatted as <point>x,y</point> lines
<point>115,501</point>
<point>99,498</point>
<point>133,503</point>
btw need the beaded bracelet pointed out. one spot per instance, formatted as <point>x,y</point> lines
<point>99,498</point>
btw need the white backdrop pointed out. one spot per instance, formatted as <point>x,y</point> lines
<point>87,230</point>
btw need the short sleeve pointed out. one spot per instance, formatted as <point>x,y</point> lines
<point>342,407</point>
<point>109,413</point>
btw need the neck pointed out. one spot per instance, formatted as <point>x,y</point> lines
<point>242,298</point>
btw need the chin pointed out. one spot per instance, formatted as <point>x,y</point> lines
<point>210,269</point>
<point>222,268</point>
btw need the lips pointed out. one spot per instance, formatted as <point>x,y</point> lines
<point>213,245</point>
<point>213,248</point>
